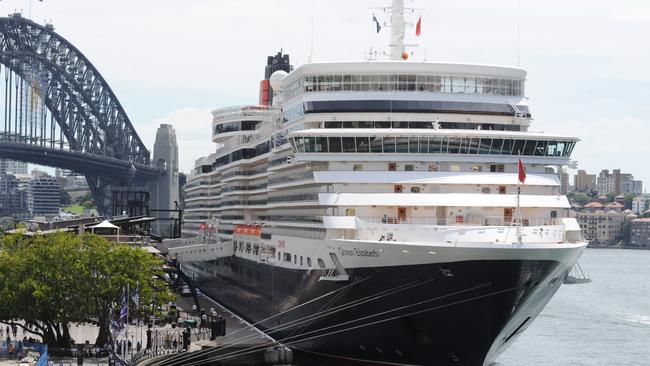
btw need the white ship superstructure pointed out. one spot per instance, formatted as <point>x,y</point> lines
<point>376,175</point>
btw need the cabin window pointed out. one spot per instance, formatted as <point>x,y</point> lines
<point>485,190</point>
<point>497,168</point>
<point>455,168</point>
<point>398,188</point>
<point>502,189</point>
<point>408,167</point>
<point>350,212</point>
<point>415,189</point>
<point>357,167</point>
<point>308,262</point>
<point>301,260</point>
<point>287,257</point>
<point>321,263</point>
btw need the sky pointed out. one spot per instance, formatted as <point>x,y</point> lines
<point>175,61</point>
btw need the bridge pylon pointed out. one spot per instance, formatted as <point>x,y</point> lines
<point>165,194</point>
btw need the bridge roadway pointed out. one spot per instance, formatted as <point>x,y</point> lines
<point>74,160</point>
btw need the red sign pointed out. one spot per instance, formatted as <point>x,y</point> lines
<point>248,230</point>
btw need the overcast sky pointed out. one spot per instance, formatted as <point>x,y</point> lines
<point>170,61</point>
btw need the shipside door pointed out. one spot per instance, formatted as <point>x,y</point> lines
<point>507,215</point>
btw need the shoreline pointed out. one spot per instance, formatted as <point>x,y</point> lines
<point>617,247</point>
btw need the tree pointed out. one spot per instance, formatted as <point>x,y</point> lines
<point>86,201</point>
<point>579,198</point>
<point>64,197</point>
<point>53,280</point>
<point>628,200</point>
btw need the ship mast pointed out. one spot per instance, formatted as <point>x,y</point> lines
<point>397,30</point>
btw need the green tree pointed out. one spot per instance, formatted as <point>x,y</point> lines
<point>64,197</point>
<point>86,201</point>
<point>579,198</point>
<point>628,200</point>
<point>51,281</point>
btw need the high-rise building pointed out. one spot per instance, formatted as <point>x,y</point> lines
<point>583,182</point>
<point>12,167</point>
<point>637,187</point>
<point>617,182</point>
<point>14,194</point>
<point>44,195</point>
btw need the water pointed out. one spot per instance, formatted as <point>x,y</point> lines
<point>605,322</point>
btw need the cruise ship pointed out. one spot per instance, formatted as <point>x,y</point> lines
<point>377,212</point>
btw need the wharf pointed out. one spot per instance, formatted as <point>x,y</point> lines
<point>243,344</point>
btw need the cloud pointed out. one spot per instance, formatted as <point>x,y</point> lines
<point>599,148</point>
<point>172,61</point>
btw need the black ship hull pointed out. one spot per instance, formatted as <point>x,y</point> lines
<point>455,313</point>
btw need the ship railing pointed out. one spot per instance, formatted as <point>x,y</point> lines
<point>464,221</point>
<point>234,112</point>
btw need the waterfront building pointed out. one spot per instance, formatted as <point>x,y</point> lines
<point>640,233</point>
<point>600,227</point>
<point>583,182</point>
<point>44,195</point>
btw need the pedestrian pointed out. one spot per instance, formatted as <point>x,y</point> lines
<point>10,350</point>
<point>2,332</point>
<point>14,330</point>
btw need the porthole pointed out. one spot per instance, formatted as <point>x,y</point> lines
<point>308,262</point>
<point>321,263</point>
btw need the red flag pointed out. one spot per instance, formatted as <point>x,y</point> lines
<point>418,26</point>
<point>522,172</point>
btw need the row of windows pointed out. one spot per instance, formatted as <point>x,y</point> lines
<point>235,126</point>
<point>422,125</point>
<point>404,106</point>
<point>432,145</point>
<point>406,82</point>
<point>247,153</point>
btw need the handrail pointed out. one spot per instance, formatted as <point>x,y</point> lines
<point>464,221</point>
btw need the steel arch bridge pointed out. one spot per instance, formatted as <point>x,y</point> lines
<point>59,111</point>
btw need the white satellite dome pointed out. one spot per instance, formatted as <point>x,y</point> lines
<point>276,79</point>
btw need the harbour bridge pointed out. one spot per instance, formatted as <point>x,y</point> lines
<point>59,111</point>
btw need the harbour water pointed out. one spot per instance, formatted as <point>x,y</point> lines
<point>605,322</point>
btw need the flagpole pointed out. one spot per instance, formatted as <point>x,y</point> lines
<point>128,300</point>
<point>520,166</point>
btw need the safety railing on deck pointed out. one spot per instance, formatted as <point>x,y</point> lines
<point>464,220</point>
